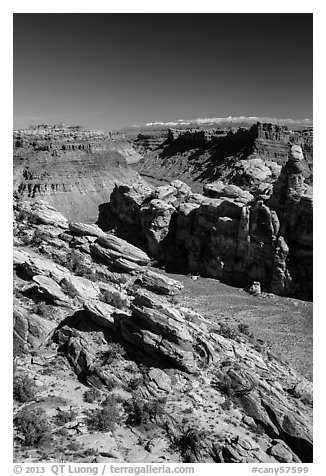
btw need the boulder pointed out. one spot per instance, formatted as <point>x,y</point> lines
<point>114,259</point>
<point>81,287</point>
<point>30,330</point>
<point>102,314</point>
<point>33,264</point>
<point>159,283</point>
<point>280,453</point>
<point>159,382</point>
<point>219,190</point>
<point>255,288</point>
<point>123,249</point>
<point>85,229</point>
<point>50,288</point>
<point>40,212</point>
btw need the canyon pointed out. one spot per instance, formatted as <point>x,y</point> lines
<point>162,294</point>
<point>73,169</point>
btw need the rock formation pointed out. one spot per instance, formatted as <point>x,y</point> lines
<point>227,233</point>
<point>120,331</point>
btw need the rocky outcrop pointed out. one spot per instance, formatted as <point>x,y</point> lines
<point>229,234</point>
<point>125,334</point>
<point>30,330</point>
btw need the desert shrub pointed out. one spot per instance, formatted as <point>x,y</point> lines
<point>18,347</point>
<point>115,299</point>
<point>141,412</point>
<point>38,237</point>
<point>231,388</point>
<point>227,404</point>
<point>22,215</point>
<point>24,389</point>
<point>258,429</point>
<point>105,418</point>
<point>74,260</point>
<point>134,383</point>
<point>62,432</point>
<point>228,331</point>
<point>110,400</point>
<point>91,452</point>
<point>190,443</point>
<point>68,289</point>
<point>92,395</point>
<point>114,352</point>
<point>244,329</point>
<point>41,309</point>
<point>74,446</point>
<point>34,426</point>
<point>63,417</point>
<point>173,300</point>
<point>257,345</point>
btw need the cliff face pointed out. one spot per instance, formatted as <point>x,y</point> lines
<point>74,171</point>
<point>243,157</point>
<point>228,234</point>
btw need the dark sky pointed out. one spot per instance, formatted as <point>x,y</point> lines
<point>112,70</point>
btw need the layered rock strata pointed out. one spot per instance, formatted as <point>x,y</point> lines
<point>243,157</point>
<point>74,170</point>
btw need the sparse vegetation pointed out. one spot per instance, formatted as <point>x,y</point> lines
<point>42,309</point>
<point>92,395</point>
<point>24,389</point>
<point>227,331</point>
<point>33,426</point>
<point>105,418</point>
<point>190,443</point>
<point>114,352</point>
<point>68,289</point>
<point>63,417</point>
<point>141,412</point>
<point>244,329</point>
<point>74,260</point>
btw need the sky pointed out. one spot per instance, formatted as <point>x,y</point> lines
<point>106,71</point>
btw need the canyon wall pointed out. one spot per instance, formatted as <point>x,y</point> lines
<point>73,170</point>
<point>227,233</point>
<point>198,156</point>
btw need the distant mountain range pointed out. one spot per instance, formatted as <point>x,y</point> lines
<point>229,121</point>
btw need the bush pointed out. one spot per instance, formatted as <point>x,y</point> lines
<point>191,444</point>
<point>114,352</point>
<point>63,417</point>
<point>92,395</point>
<point>244,329</point>
<point>134,383</point>
<point>38,238</point>
<point>105,418</point>
<point>74,260</point>
<point>23,389</point>
<point>228,331</point>
<point>141,412</point>
<point>62,432</point>
<point>41,309</point>
<point>68,289</point>
<point>33,426</point>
